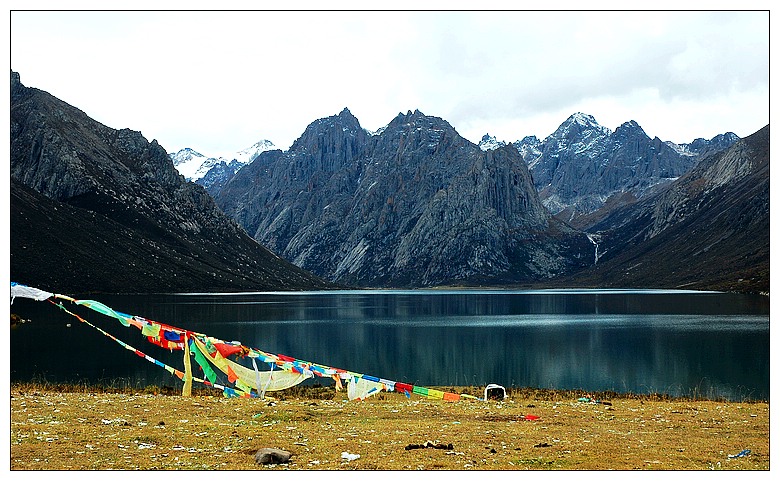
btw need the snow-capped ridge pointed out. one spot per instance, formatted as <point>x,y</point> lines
<point>194,165</point>
<point>489,142</point>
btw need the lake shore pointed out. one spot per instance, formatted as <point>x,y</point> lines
<point>82,428</point>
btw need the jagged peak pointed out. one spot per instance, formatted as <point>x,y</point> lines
<point>631,124</point>
<point>346,114</point>
<point>344,119</point>
<point>728,136</point>
<point>528,140</point>
<point>582,119</point>
<point>489,142</point>
<point>414,117</point>
<point>630,127</point>
<point>409,114</point>
<point>185,155</point>
<point>260,144</point>
<point>577,124</point>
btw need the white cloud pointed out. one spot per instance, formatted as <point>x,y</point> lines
<point>220,81</point>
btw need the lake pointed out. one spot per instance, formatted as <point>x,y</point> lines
<point>681,343</point>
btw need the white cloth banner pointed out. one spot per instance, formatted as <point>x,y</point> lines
<point>19,290</point>
<point>359,388</point>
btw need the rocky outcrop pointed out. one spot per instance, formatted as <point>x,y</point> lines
<point>413,205</point>
<point>118,215</point>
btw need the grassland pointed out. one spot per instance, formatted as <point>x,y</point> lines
<point>55,428</point>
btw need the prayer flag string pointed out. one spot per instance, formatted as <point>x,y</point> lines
<point>209,351</point>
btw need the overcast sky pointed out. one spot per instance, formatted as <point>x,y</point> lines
<point>220,81</point>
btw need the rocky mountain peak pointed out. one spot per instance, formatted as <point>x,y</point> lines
<point>630,126</point>
<point>419,121</point>
<point>346,118</point>
<point>16,85</point>
<point>415,204</point>
<point>580,127</point>
<point>489,142</point>
<point>335,126</point>
<point>628,130</point>
<point>261,145</point>
<point>720,141</point>
<point>185,155</point>
<point>584,121</point>
<point>530,149</point>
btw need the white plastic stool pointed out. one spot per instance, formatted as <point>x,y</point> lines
<point>495,387</point>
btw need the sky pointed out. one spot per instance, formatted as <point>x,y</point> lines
<point>219,81</point>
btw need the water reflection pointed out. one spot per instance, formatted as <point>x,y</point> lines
<point>710,344</point>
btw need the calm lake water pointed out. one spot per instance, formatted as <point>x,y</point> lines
<point>675,342</point>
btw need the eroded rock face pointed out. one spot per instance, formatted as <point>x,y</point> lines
<point>413,205</point>
<point>113,199</point>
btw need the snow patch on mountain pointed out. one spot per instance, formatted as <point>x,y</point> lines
<point>683,149</point>
<point>194,165</point>
<point>489,142</point>
<point>187,161</point>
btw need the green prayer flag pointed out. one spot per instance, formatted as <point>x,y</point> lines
<point>152,330</point>
<point>243,386</point>
<point>420,390</point>
<point>104,309</point>
<point>204,364</point>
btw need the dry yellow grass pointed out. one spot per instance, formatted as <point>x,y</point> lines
<point>96,430</point>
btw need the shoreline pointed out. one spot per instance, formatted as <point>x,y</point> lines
<point>319,391</point>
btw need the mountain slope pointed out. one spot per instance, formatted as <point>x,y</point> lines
<point>98,209</point>
<point>707,230</point>
<point>413,205</point>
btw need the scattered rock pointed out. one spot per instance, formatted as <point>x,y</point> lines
<point>272,456</point>
<point>542,445</point>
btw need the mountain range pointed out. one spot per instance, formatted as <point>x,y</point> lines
<point>582,171</point>
<point>583,168</point>
<point>413,204</point>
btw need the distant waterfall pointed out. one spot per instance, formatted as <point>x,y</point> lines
<point>594,238</point>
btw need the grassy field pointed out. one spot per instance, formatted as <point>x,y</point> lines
<point>67,428</point>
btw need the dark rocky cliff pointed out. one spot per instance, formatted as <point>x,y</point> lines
<point>118,217</point>
<point>414,205</point>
